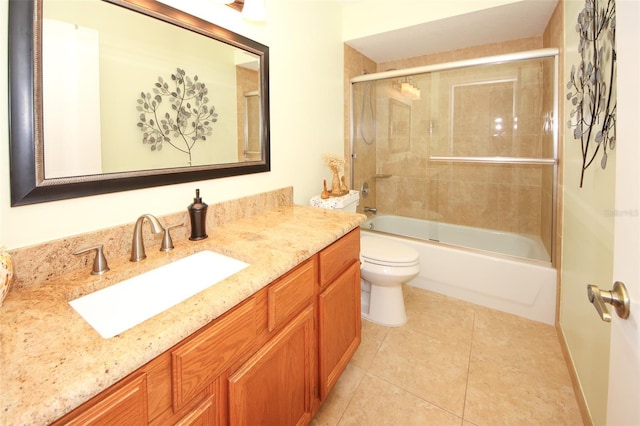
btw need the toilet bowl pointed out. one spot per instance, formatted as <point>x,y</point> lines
<point>385,266</point>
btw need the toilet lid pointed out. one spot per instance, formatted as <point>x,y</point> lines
<point>381,250</point>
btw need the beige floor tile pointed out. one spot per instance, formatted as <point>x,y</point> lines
<point>378,402</point>
<point>498,394</point>
<point>334,405</point>
<point>453,358</point>
<point>439,316</point>
<point>372,337</point>
<point>519,343</point>
<point>432,369</point>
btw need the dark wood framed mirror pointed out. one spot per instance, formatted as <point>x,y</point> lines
<point>69,138</point>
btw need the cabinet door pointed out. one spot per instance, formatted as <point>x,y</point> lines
<point>339,326</point>
<point>275,386</point>
<point>203,415</point>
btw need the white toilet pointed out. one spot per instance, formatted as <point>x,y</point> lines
<point>385,266</point>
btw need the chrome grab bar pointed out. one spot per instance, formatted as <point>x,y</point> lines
<point>494,160</point>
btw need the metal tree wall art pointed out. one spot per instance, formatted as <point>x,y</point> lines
<point>186,118</point>
<point>592,84</point>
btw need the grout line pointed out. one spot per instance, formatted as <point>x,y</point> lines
<point>373,373</point>
<point>377,348</point>
<point>352,395</point>
<point>415,395</point>
<point>466,388</point>
<point>366,371</point>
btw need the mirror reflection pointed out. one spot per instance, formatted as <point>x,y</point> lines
<point>123,91</point>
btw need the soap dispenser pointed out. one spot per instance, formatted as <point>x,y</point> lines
<point>198,216</point>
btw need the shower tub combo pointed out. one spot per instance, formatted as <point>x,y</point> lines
<point>473,145</point>
<point>477,265</point>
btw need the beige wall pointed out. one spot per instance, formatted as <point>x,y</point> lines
<point>587,248</point>
<point>301,130</point>
<point>306,121</point>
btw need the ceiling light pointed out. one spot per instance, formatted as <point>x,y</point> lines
<point>406,88</point>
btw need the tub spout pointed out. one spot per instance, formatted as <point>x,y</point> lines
<point>370,210</point>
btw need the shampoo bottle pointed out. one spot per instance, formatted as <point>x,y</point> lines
<point>198,216</point>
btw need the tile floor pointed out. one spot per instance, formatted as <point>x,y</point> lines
<point>453,363</point>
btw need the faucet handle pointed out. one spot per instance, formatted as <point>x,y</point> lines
<point>167,242</point>
<point>99,262</point>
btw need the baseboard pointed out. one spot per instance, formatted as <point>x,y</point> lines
<point>577,389</point>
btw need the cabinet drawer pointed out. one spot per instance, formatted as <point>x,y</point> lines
<point>291,293</point>
<point>199,361</point>
<point>124,403</point>
<point>339,256</point>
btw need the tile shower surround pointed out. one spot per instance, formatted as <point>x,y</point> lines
<point>501,197</point>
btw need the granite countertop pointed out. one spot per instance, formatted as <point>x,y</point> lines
<point>52,360</point>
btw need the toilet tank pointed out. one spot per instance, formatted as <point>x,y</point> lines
<point>347,203</point>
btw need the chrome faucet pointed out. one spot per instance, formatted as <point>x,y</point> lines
<point>370,210</point>
<point>137,245</point>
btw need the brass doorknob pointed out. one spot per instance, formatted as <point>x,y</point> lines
<point>618,297</point>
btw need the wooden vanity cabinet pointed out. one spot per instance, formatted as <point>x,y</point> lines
<point>270,360</point>
<point>339,312</point>
<point>276,386</point>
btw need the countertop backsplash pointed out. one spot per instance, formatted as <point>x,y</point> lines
<point>38,263</point>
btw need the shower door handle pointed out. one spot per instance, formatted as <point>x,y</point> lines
<point>618,297</point>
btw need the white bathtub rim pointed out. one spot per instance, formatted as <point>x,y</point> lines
<point>472,250</point>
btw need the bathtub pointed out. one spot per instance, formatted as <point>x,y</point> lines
<point>454,261</point>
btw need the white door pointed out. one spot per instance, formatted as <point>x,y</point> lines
<point>623,406</point>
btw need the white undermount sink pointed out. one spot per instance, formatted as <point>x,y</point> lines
<point>119,307</point>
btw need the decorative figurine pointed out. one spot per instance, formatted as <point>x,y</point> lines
<point>336,165</point>
<point>325,194</point>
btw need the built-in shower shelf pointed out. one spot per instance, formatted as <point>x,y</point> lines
<point>381,176</point>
